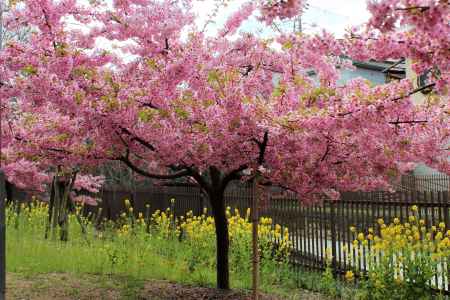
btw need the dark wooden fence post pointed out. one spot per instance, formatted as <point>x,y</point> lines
<point>446,201</point>
<point>334,245</point>
<point>255,248</point>
<point>445,198</point>
<point>202,203</point>
<point>2,237</point>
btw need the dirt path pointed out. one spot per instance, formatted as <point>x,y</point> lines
<point>65,287</point>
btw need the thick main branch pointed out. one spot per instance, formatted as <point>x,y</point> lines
<point>142,172</point>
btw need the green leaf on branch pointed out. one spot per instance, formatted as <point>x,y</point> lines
<point>29,70</point>
<point>146,114</point>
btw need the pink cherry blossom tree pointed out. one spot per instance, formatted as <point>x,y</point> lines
<point>170,102</point>
<point>37,156</point>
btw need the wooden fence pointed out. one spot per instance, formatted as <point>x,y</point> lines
<point>313,228</point>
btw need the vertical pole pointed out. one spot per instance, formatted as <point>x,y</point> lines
<point>2,194</point>
<point>2,237</point>
<point>202,202</point>
<point>172,211</point>
<point>299,24</point>
<point>333,235</point>
<point>446,200</point>
<point>255,248</point>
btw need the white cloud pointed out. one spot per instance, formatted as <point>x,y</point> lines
<point>336,16</point>
<point>354,9</point>
<point>332,15</point>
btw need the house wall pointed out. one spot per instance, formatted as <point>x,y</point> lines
<point>375,77</point>
<point>378,77</point>
<point>418,98</point>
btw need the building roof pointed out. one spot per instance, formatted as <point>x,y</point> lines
<point>388,66</point>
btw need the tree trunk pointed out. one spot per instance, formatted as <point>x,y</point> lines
<point>57,217</point>
<point>222,239</point>
<point>56,208</point>
<point>64,214</point>
<point>66,188</point>
<point>50,208</point>
<point>8,190</point>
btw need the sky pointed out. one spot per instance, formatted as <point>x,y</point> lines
<point>333,15</point>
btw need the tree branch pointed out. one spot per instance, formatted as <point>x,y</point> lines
<point>200,180</point>
<point>138,139</point>
<point>126,160</point>
<point>326,152</point>
<point>262,148</point>
<point>393,65</point>
<point>419,89</point>
<point>421,8</point>
<point>233,175</point>
<point>408,122</point>
<point>248,69</point>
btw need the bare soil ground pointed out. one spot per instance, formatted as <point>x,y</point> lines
<point>62,286</point>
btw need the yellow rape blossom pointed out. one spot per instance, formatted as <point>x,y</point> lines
<point>349,276</point>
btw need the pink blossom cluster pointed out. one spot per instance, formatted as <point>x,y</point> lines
<point>89,183</point>
<point>283,9</point>
<point>236,19</point>
<point>25,174</point>
<point>415,29</point>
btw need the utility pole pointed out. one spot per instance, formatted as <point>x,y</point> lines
<point>298,22</point>
<point>298,27</point>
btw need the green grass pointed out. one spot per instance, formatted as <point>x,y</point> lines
<point>135,256</point>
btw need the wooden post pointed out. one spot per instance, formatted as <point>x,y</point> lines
<point>333,218</point>
<point>446,200</point>
<point>172,208</point>
<point>2,236</point>
<point>255,248</point>
<point>202,203</point>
